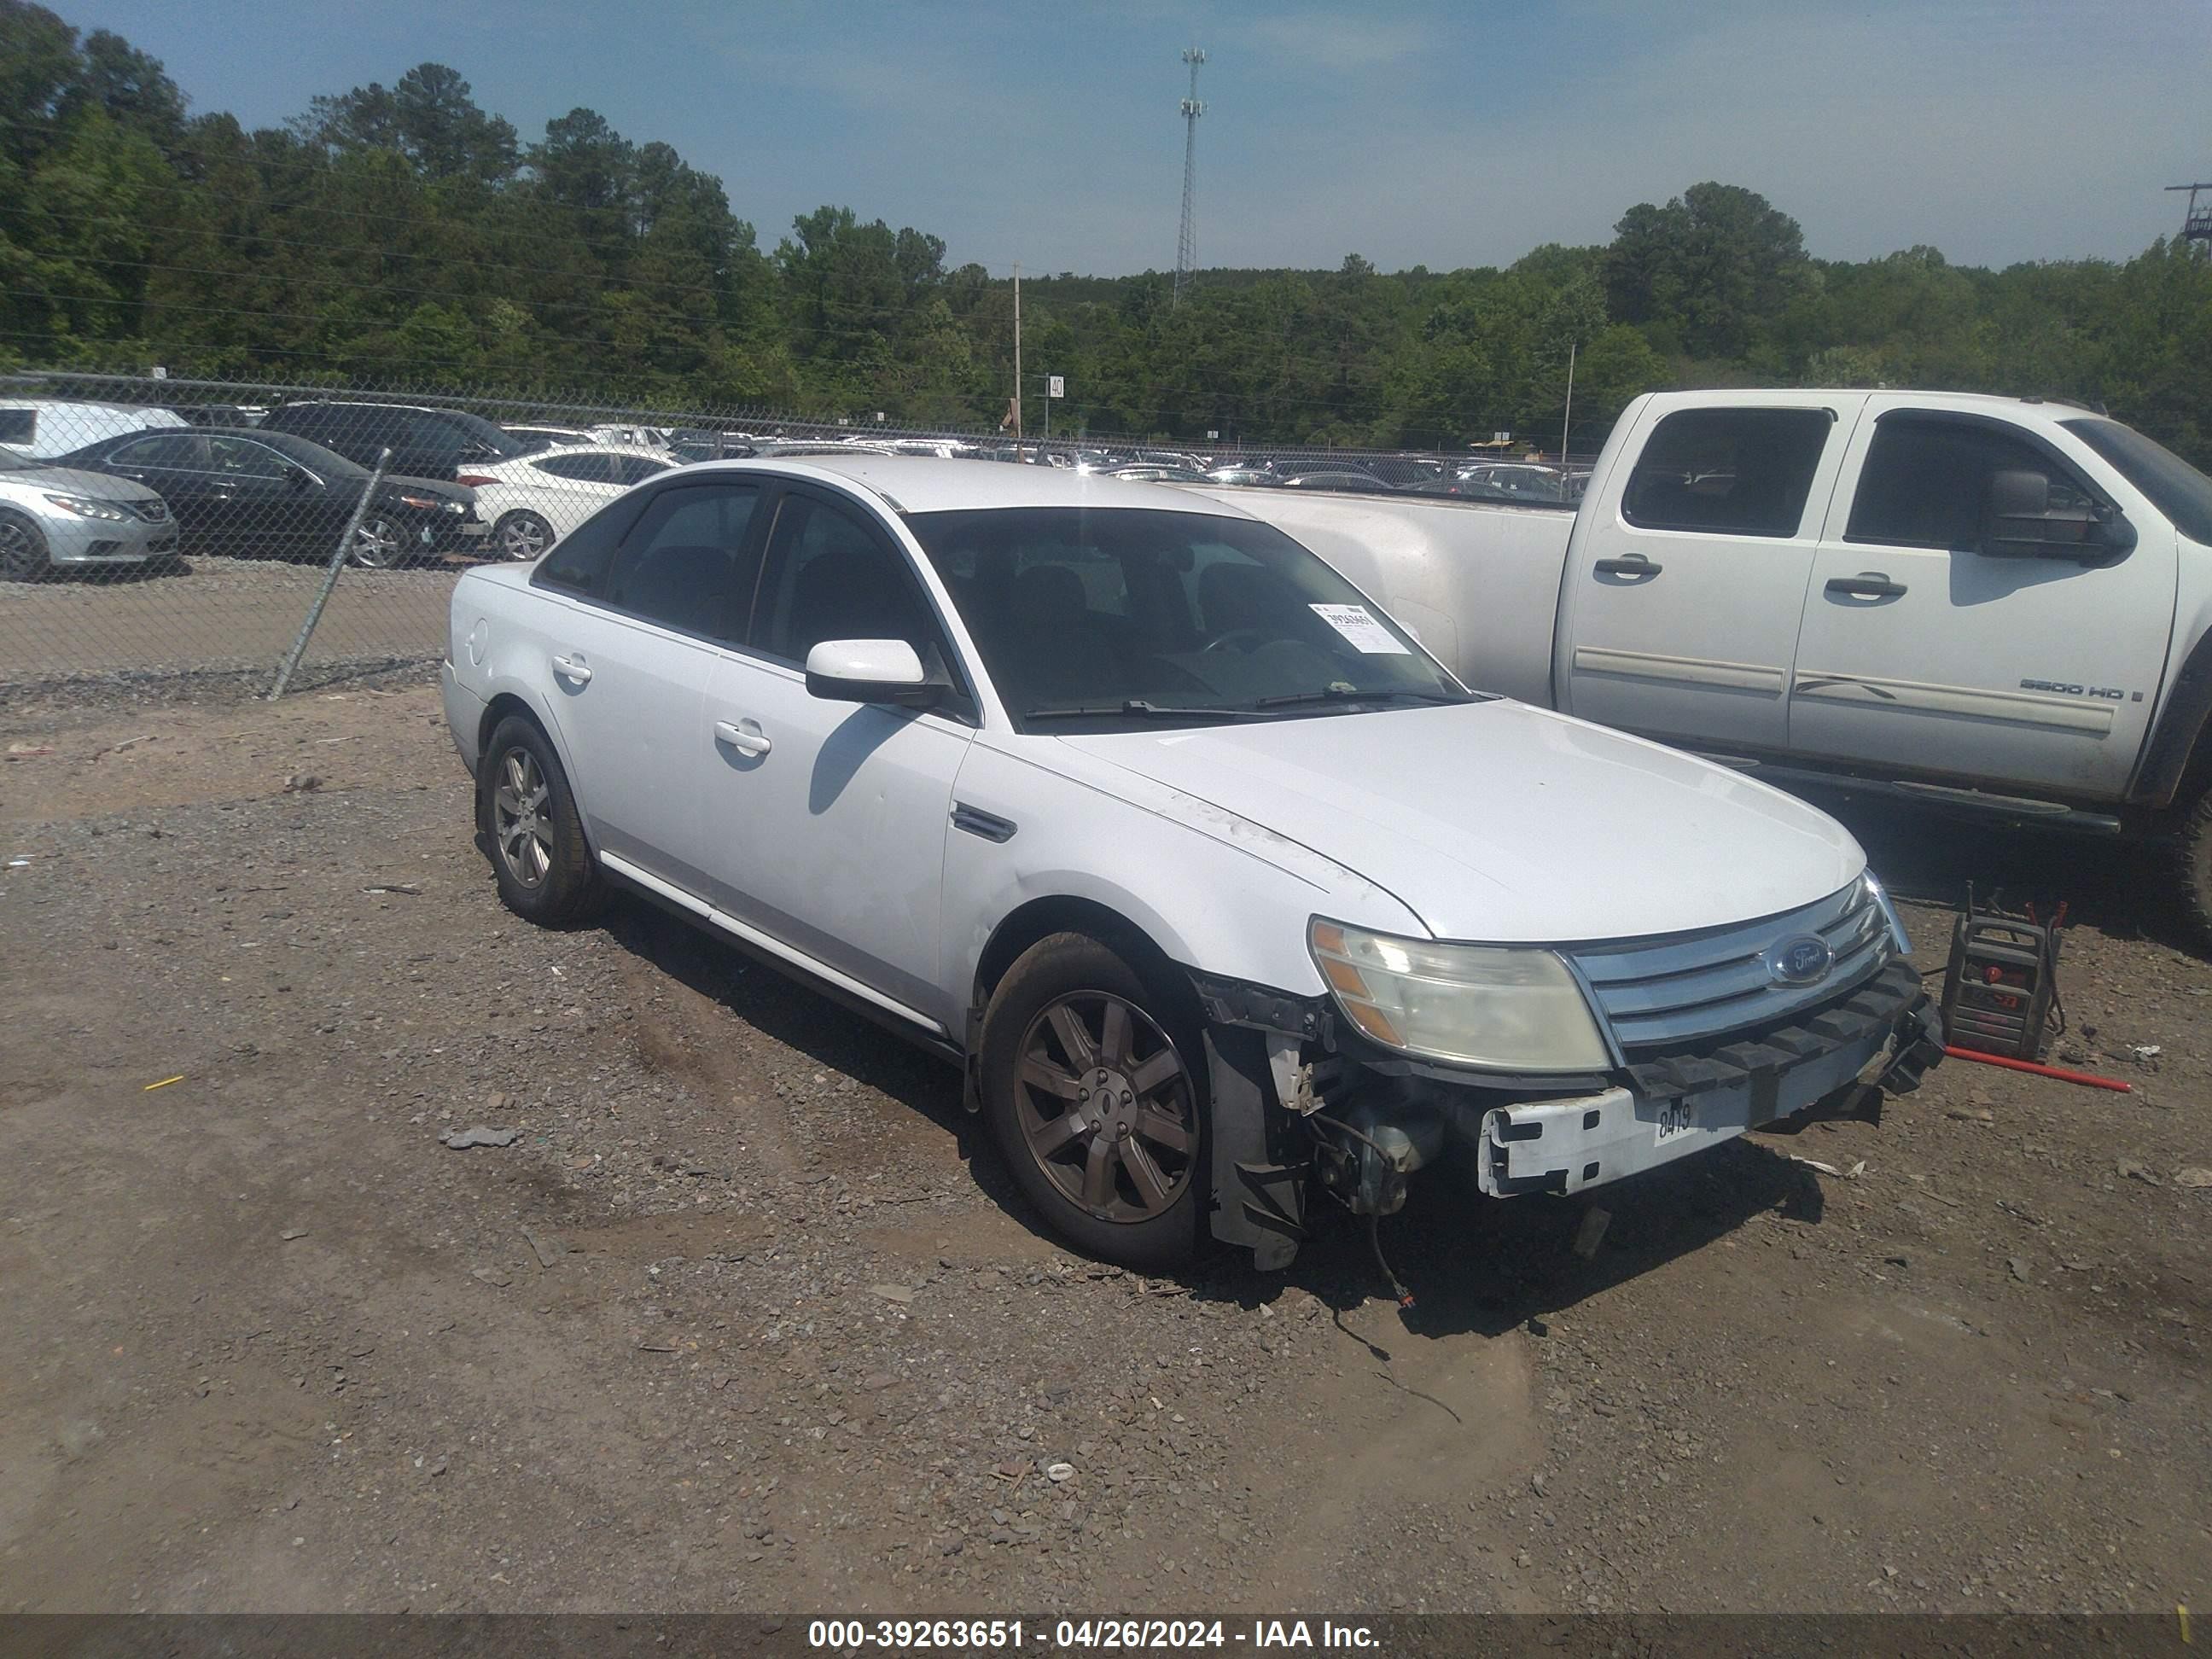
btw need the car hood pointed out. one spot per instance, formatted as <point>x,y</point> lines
<point>72,481</point>
<point>1496,821</point>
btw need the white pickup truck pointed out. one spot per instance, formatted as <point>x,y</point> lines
<point>1991,604</point>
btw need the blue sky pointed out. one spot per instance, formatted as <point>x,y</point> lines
<point>1445,135</point>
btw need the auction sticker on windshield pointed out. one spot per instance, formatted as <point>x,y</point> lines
<point>1358,625</point>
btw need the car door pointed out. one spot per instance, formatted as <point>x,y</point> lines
<point>642,598</point>
<point>1924,652</point>
<point>825,821</point>
<point>1681,608</point>
<point>174,463</point>
<point>266,503</point>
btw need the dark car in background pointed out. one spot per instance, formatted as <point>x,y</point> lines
<point>252,491</point>
<point>425,443</point>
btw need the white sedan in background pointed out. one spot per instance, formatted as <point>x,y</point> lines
<point>533,501</point>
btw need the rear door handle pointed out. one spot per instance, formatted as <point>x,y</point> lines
<point>1634,565</point>
<point>746,739</point>
<point>1866,585</point>
<point>573,668</point>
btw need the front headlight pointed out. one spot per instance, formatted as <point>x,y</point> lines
<point>1514,1008</point>
<point>1898,936</point>
<point>85,508</point>
<point>424,503</point>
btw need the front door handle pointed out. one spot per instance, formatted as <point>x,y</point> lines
<point>573,668</point>
<point>1866,585</point>
<point>1634,565</point>
<point>746,739</point>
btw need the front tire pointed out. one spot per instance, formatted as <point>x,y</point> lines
<point>528,813</point>
<point>381,543</point>
<point>22,549</point>
<point>1093,1085</point>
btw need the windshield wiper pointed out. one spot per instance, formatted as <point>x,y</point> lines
<point>1343,694</point>
<point>1138,707</point>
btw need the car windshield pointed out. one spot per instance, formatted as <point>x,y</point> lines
<point>2175,488</point>
<point>1121,617</point>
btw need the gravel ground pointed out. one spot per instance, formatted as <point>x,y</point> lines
<point>745,1317</point>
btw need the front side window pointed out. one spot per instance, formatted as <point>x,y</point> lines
<point>1727,471</point>
<point>1144,614</point>
<point>1926,481</point>
<point>686,564</point>
<point>240,458</point>
<point>829,577</point>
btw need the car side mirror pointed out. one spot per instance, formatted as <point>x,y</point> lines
<point>2018,521</point>
<point>871,670</point>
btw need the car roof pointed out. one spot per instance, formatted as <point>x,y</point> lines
<point>923,484</point>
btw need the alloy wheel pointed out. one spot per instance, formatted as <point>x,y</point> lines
<point>522,826</point>
<point>21,553</point>
<point>377,543</point>
<point>1106,1107</point>
<point>523,535</point>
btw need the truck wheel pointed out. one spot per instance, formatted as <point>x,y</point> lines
<point>528,812</point>
<point>1092,1092</point>
<point>2193,857</point>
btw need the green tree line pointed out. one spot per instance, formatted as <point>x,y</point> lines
<point>404,236</point>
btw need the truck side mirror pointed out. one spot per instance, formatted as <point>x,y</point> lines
<point>2018,521</point>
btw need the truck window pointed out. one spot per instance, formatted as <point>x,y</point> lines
<point>1729,471</point>
<point>1925,482</point>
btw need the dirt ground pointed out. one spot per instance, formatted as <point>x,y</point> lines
<point>747,1318</point>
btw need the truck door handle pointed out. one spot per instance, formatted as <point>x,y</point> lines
<point>1866,585</point>
<point>746,739</point>
<point>1634,565</point>
<point>573,668</point>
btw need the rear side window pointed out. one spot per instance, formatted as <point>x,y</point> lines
<point>690,562</point>
<point>636,468</point>
<point>1925,481</point>
<point>578,468</point>
<point>582,561</point>
<point>175,450</point>
<point>1727,471</point>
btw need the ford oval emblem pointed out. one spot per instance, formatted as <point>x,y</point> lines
<point>1800,959</point>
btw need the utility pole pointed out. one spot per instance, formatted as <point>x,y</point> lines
<point>1187,241</point>
<point>1017,362</point>
<point>1566,419</point>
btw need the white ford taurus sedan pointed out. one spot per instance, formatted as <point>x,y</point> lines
<point>1230,901</point>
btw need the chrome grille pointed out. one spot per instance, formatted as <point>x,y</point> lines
<point>153,512</point>
<point>1667,992</point>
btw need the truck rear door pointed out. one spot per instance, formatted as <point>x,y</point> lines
<point>1679,612</point>
<point>1922,653</point>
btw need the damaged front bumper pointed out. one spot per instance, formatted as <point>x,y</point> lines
<point>1360,1126</point>
<point>1885,1035</point>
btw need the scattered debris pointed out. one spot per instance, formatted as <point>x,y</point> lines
<point>1815,1164</point>
<point>1856,1170</point>
<point>1591,1233</point>
<point>2019,1266</point>
<point>493,1275</point>
<point>547,1247</point>
<point>2145,1050</point>
<point>412,889</point>
<point>2195,1174</point>
<point>436,1469</point>
<point>163,1084</point>
<point>19,864</point>
<point>1057,1472</point>
<point>2128,1169</point>
<point>291,1233</point>
<point>17,752</point>
<point>1970,1114</point>
<point>461,1140</point>
<point>899,1293</point>
<point>302,783</point>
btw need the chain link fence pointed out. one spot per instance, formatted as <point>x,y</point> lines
<point>161,536</point>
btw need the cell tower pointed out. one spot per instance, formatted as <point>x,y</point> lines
<point>1186,242</point>
<point>2196,222</point>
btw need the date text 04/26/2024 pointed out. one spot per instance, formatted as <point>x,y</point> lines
<point>852,1635</point>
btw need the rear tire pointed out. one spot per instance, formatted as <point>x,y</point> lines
<point>521,535</point>
<point>528,814</point>
<point>1094,1087</point>
<point>381,543</point>
<point>22,549</point>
